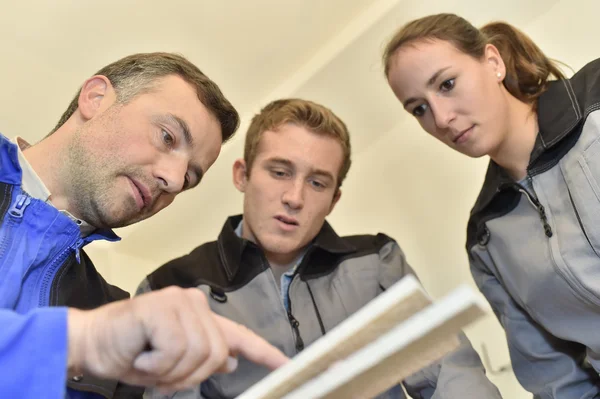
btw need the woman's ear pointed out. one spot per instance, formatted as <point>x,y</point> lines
<point>495,61</point>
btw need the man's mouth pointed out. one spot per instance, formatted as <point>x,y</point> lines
<point>287,220</point>
<point>143,198</point>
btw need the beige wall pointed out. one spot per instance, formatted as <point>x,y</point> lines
<point>413,188</point>
<point>402,182</point>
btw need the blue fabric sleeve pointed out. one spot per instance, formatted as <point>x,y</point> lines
<point>33,353</point>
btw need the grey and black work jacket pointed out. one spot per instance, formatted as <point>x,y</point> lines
<point>336,277</point>
<point>534,245</point>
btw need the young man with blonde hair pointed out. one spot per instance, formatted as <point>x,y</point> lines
<point>281,270</point>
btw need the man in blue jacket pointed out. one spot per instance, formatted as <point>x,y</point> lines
<point>139,132</point>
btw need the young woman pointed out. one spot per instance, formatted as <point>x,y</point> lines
<point>533,237</point>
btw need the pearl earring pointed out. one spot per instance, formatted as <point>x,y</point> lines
<point>499,75</point>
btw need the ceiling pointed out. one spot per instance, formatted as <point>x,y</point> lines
<point>328,51</point>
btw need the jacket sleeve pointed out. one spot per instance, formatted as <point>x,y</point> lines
<point>459,374</point>
<point>33,353</point>
<point>548,367</point>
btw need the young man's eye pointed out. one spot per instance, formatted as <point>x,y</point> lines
<point>167,138</point>
<point>279,173</point>
<point>419,110</point>
<point>447,85</point>
<point>317,184</point>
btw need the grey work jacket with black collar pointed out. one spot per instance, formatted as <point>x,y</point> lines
<point>336,277</point>
<point>534,247</point>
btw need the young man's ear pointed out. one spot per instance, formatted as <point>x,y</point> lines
<point>97,94</point>
<point>240,175</point>
<point>336,198</point>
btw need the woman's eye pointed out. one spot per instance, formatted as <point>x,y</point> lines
<point>420,110</point>
<point>447,85</point>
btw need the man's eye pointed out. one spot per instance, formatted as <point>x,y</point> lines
<point>420,110</point>
<point>317,184</point>
<point>447,85</point>
<point>167,138</point>
<point>278,173</point>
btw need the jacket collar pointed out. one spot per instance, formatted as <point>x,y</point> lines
<point>232,248</point>
<point>559,113</point>
<point>12,173</point>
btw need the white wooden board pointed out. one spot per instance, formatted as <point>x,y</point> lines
<point>379,316</point>
<point>399,331</point>
<point>418,342</point>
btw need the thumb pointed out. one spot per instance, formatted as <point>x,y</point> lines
<point>230,365</point>
<point>149,362</point>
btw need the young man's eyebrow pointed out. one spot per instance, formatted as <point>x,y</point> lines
<point>280,161</point>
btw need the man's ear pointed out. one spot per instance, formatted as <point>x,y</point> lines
<point>336,198</point>
<point>96,95</point>
<point>240,176</point>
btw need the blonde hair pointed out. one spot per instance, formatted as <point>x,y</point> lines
<point>312,116</point>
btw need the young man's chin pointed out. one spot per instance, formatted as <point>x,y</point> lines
<point>282,247</point>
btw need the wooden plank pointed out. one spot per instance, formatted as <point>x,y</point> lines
<point>418,342</point>
<point>395,305</point>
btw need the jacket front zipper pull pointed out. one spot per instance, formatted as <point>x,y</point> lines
<point>540,208</point>
<point>547,228</point>
<point>76,248</point>
<point>19,207</point>
<point>295,324</point>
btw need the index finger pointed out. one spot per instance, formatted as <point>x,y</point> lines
<point>241,340</point>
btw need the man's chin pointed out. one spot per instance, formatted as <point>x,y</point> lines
<point>130,221</point>
<point>283,248</point>
<point>121,221</point>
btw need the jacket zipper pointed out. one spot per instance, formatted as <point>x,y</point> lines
<point>15,215</point>
<point>49,275</point>
<point>293,322</point>
<point>298,343</point>
<point>4,232</point>
<point>18,208</point>
<point>538,206</point>
<point>298,339</point>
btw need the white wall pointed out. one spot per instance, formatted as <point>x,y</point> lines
<point>413,188</point>
<point>404,184</point>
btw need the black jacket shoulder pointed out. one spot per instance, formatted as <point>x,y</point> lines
<point>203,264</point>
